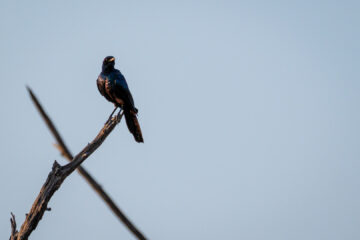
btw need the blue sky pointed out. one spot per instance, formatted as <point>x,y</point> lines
<point>249,111</point>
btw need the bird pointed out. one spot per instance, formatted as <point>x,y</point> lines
<point>113,86</point>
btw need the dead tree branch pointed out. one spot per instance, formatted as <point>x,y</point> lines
<point>54,180</point>
<point>14,232</point>
<point>61,146</point>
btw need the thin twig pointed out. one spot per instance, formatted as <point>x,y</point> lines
<point>14,232</point>
<point>54,180</point>
<point>61,146</point>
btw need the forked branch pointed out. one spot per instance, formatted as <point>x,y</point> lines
<point>54,180</point>
<point>64,150</point>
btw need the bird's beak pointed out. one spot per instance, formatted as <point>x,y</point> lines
<point>111,59</point>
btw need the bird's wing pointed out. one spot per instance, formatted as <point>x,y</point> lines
<point>101,84</point>
<point>121,91</point>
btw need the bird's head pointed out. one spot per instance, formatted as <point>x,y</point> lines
<point>108,63</point>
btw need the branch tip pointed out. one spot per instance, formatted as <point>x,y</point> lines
<point>13,227</point>
<point>56,165</point>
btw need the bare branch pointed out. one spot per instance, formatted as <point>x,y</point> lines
<point>54,180</point>
<point>14,232</point>
<point>61,146</point>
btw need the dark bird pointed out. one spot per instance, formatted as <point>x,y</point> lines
<point>112,85</point>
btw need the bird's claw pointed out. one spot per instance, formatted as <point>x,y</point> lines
<point>110,117</point>
<point>118,117</point>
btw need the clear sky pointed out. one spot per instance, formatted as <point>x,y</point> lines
<point>249,111</point>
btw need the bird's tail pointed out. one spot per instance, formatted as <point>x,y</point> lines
<point>133,125</point>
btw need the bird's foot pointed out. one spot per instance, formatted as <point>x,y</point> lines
<point>109,119</point>
<point>119,115</point>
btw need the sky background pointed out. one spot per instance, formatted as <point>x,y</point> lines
<point>249,111</point>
